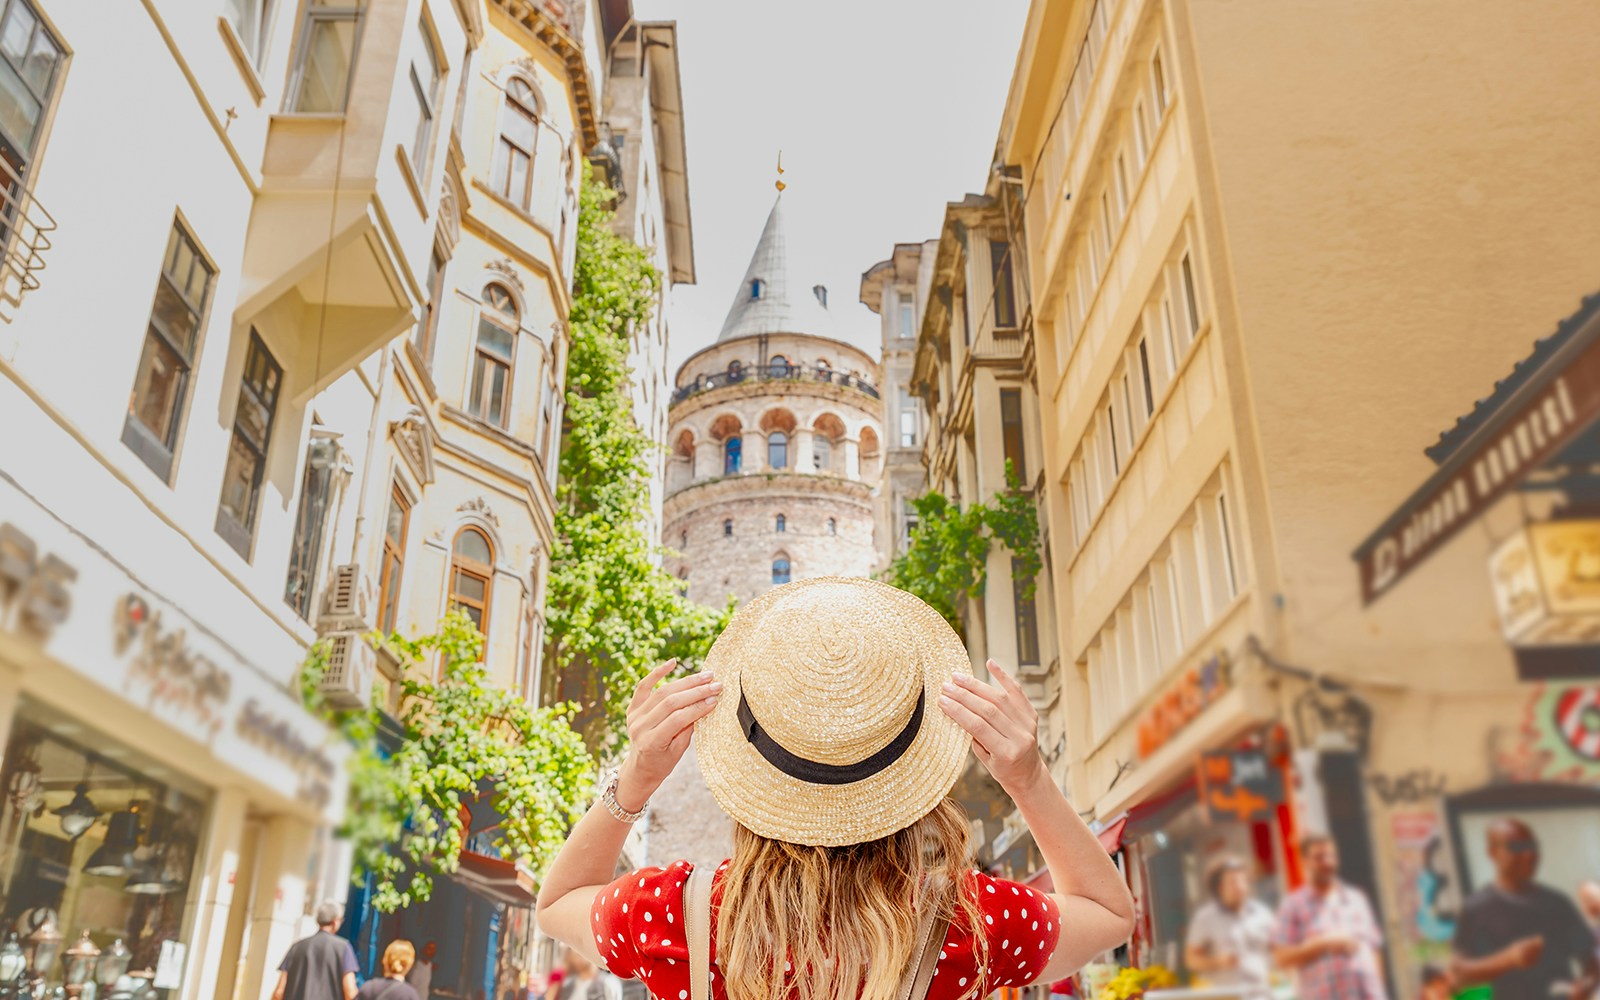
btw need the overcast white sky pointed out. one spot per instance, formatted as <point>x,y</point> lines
<point>884,109</point>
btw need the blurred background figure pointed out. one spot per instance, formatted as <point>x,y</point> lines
<point>398,960</point>
<point>1589,903</point>
<point>1326,932</point>
<point>1524,939</point>
<point>1436,983</point>
<point>421,975</point>
<point>582,980</point>
<point>322,966</point>
<point>1229,941</point>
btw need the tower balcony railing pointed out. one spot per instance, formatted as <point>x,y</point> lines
<point>739,373</point>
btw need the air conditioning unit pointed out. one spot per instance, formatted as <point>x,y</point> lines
<point>346,602</point>
<point>347,683</point>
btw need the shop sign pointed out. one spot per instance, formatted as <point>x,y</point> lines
<point>35,587</point>
<point>164,660</point>
<point>1240,786</point>
<point>1473,479</point>
<point>278,738</point>
<point>1178,705</point>
<point>1547,584</point>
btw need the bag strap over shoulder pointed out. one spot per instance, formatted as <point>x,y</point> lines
<point>697,924</point>
<point>931,932</point>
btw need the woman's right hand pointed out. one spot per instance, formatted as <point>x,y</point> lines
<point>660,723</point>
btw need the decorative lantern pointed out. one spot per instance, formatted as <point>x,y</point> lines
<point>78,815</point>
<point>77,965</point>
<point>113,963</point>
<point>115,856</point>
<point>44,947</point>
<point>13,966</point>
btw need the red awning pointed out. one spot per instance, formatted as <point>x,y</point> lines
<point>499,880</point>
<point>1111,836</point>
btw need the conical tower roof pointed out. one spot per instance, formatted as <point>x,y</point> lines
<point>768,300</point>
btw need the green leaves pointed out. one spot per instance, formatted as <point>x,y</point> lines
<point>459,735</point>
<point>612,610</point>
<point>947,560</point>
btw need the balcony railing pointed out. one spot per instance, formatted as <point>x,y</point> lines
<point>741,372</point>
<point>25,229</point>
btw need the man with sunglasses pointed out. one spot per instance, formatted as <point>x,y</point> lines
<point>1525,940</point>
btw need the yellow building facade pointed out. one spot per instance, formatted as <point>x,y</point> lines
<point>1274,251</point>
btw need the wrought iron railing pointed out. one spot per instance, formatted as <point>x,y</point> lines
<point>25,229</point>
<point>741,372</point>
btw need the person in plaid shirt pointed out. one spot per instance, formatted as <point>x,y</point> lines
<point>1326,932</point>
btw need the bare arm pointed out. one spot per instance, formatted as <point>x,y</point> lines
<point>660,725</point>
<point>283,984</point>
<point>1292,956</point>
<point>1520,954</point>
<point>350,988</point>
<point>1199,958</point>
<point>1094,901</point>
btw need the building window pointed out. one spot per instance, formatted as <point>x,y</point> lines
<point>735,371</point>
<point>425,84</point>
<point>777,450</point>
<point>1145,377</point>
<point>756,285</point>
<point>1011,432</point>
<point>727,528</point>
<point>424,334</point>
<point>822,451</point>
<point>161,383</point>
<point>778,367</point>
<point>29,58</point>
<point>1027,617</point>
<point>908,316</point>
<point>249,20</point>
<point>327,55</point>
<point>316,492</point>
<point>1190,300</point>
<point>780,570</point>
<point>471,574</point>
<point>731,454</point>
<point>247,453</point>
<point>833,526</point>
<point>394,557</point>
<point>1158,82</point>
<point>498,322</point>
<point>1005,299</point>
<point>780,524</point>
<point>511,174</point>
<point>1141,135</point>
<point>908,418</point>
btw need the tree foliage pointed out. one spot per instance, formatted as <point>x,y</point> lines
<point>612,609</point>
<point>947,560</point>
<point>462,740</point>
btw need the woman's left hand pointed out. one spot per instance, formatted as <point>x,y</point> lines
<point>1003,725</point>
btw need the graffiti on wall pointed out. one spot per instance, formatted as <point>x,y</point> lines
<point>1425,887</point>
<point>1558,738</point>
<point>1417,785</point>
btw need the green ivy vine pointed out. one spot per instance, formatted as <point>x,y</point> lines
<point>946,562</point>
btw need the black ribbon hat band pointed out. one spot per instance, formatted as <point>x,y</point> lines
<point>818,773</point>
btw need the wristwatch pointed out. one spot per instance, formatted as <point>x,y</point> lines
<point>608,798</point>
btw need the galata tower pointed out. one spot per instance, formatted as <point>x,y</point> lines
<point>776,433</point>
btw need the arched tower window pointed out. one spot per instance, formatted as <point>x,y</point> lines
<point>731,454</point>
<point>512,171</point>
<point>756,287</point>
<point>821,452</point>
<point>727,528</point>
<point>498,321</point>
<point>471,573</point>
<point>778,367</point>
<point>780,524</point>
<point>780,570</point>
<point>777,450</point>
<point>683,540</point>
<point>735,371</point>
<point>833,526</point>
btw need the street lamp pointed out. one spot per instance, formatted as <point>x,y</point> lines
<point>78,965</point>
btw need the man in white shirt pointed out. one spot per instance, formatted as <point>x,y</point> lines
<point>421,975</point>
<point>1230,935</point>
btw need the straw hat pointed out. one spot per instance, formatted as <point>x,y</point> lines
<point>828,730</point>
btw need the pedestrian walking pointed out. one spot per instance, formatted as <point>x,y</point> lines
<point>831,720</point>
<point>421,975</point>
<point>582,980</point>
<point>397,960</point>
<point>1326,932</point>
<point>1229,940</point>
<point>1525,940</point>
<point>319,967</point>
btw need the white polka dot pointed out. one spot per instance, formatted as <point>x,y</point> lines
<point>1017,952</point>
<point>641,939</point>
<point>988,888</point>
<point>1036,925</point>
<point>1005,943</point>
<point>683,995</point>
<point>1047,925</point>
<point>624,907</point>
<point>1006,914</point>
<point>1024,914</point>
<point>648,918</point>
<point>988,919</point>
<point>615,893</point>
<point>1014,891</point>
<point>669,918</point>
<point>1041,946</point>
<point>664,941</point>
<point>962,981</point>
<point>658,890</point>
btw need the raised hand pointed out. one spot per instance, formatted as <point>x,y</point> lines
<point>660,723</point>
<point>1003,725</point>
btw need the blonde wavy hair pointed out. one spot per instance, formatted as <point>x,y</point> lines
<point>843,916</point>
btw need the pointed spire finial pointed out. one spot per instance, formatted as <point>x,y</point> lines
<point>779,184</point>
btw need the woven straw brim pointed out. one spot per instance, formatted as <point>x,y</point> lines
<point>897,632</point>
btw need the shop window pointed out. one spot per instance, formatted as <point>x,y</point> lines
<point>394,557</point>
<point>1005,296</point>
<point>498,322</point>
<point>511,173</point>
<point>1027,617</point>
<point>97,839</point>
<point>30,60</point>
<point>310,521</point>
<point>1011,433</point>
<point>325,57</point>
<point>161,382</point>
<point>259,386</point>
<point>780,570</point>
<point>472,575</point>
<point>777,450</point>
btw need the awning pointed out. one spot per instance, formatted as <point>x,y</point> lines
<point>502,881</point>
<point>1111,835</point>
<point>1535,415</point>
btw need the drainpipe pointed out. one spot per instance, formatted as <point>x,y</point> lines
<point>374,435</point>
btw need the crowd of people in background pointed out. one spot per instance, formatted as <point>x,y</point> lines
<point>1515,939</point>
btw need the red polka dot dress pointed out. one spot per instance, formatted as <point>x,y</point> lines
<point>638,927</point>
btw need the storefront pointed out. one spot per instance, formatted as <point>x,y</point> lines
<point>167,800</point>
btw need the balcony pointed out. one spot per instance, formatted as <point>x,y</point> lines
<point>26,232</point>
<point>742,372</point>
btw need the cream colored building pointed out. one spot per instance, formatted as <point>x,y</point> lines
<point>1273,252</point>
<point>315,388</point>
